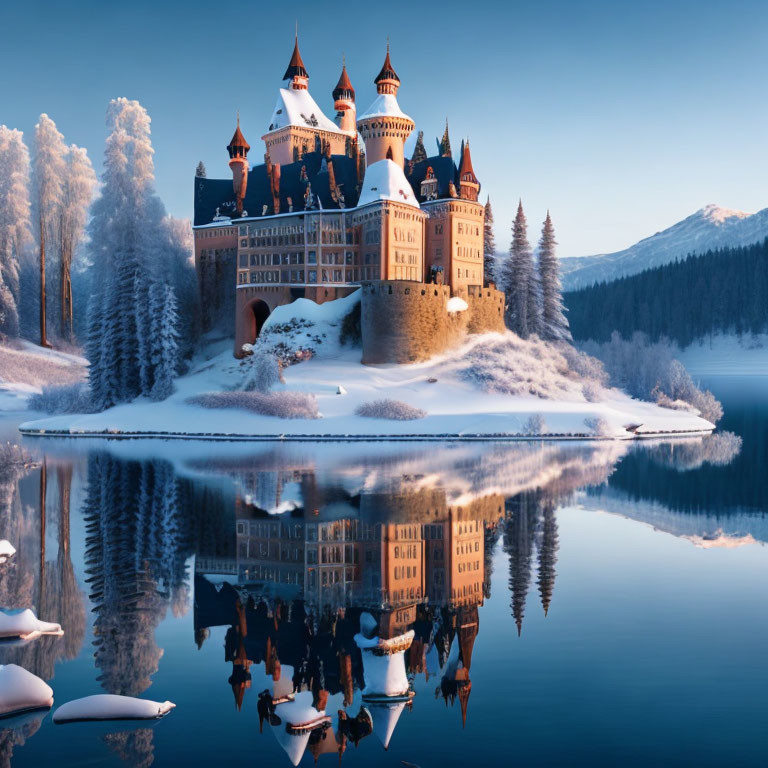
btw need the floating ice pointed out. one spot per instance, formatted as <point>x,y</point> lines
<point>26,625</point>
<point>6,550</point>
<point>107,706</point>
<point>21,691</point>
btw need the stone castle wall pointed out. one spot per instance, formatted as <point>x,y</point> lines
<point>406,322</point>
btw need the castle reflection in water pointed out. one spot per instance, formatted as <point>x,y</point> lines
<point>294,552</point>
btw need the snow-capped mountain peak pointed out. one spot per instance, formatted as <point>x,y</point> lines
<point>710,227</point>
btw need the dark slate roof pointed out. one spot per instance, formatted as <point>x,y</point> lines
<point>211,194</point>
<point>444,169</point>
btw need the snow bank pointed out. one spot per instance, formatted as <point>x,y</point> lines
<point>21,690</point>
<point>107,706</point>
<point>445,387</point>
<point>26,625</point>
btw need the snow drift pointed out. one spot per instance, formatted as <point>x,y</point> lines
<point>25,625</point>
<point>107,706</point>
<point>21,691</point>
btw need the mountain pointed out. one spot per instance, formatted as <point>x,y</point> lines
<point>711,227</point>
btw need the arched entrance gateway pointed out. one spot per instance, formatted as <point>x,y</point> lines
<point>250,320</point>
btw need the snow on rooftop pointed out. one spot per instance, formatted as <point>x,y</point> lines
<point>297,107</point>
<point>384,105</point>
<point>385,180</point>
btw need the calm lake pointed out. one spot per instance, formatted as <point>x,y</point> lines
<point>571,604</point>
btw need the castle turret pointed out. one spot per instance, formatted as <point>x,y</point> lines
<point>344,104</point>
<point>297,72</point>
<point>469,186</point>
<point>238,162</point>
<point>384,126</point>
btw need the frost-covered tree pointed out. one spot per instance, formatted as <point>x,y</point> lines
<point>533,304</point>
<point>164,340</point>
<point>517,273</point>
<point>15,232</point>
<point>79,183</point>
<point>554,324</point>
<point>200,171</point>
<point>48,172</point>
<point>489,245</point>
<point>129,247</point>
<point>180,270</point>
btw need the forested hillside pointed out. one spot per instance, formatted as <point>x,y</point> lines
<point>725,290</point>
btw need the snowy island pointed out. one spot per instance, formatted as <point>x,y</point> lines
<point>493,386</point>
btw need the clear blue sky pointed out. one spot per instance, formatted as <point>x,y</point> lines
<point>620,117</point>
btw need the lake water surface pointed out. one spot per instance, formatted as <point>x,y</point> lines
<point>571,604</point>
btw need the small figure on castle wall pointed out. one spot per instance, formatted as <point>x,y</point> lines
<point>264,209</point>
<point>289,200</point>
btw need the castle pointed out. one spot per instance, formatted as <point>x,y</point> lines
<point>336,206</point>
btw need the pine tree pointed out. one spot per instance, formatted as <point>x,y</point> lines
<point>165,340</point>
<point>49,170</point>
<point>533,303</point>
<point>419,151</point>
<point>200,171</point>
<point>554,325</point>
<point>15,232</point>
<point>489,246</point>
<point>128,247</point>
<point>518,270</point>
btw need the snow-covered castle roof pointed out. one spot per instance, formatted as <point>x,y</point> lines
<point>385,180</point>
<point>297,107</point>
<point>384,105</point>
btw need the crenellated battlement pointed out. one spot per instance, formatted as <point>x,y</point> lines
<point>407,322</point>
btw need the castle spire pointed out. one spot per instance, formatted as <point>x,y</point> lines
<point>344,87</point>
<point>387,80</point>
<point>469,186</point>
<point>238,163</point>
<point>444,145</point>
<point>296,72</point>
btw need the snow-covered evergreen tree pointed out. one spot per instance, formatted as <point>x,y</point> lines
<point>15,232</point>
<point>516,277</point>
<point>165,350</point>
<point>48,173</point>
<point>554,324</point>
<point>79,183</point>
<point>533,304</point>
<point>200,171</point>
<point>489,246</point>
<point>129,249</point>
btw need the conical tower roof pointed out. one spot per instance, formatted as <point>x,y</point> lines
<point>296,66</point>
<point>344,86</point>
<point>387,71</point>
<point>466,172</point>
<point>238,140</point>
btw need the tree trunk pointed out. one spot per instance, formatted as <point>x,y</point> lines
<point>65,322</point>
<point>43,494</point>
<point>43,337</point>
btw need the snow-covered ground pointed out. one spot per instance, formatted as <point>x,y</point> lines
<point>455,406</point>
<point>727,354</point>
<point>26,368</point>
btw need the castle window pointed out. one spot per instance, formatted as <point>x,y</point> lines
<point>312,257</point>
<point>312,276</point>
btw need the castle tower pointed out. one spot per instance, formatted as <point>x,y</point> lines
<point>238,163</point>
<point>469,186</point>
<point>297,72</point>
<point>298,125</point>
<point>384,126</point>
<point>344,104</point>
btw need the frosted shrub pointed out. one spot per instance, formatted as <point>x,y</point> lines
<point>73,398</point>
<point>592,392</point>
<point>598,426</point>
<point>649,371</point>
<point>584,365</point>
<point>535,425</point>
<point>509,365</point>
<point>261,371</point>
<point>390,409</point>
<point>283,405</point>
